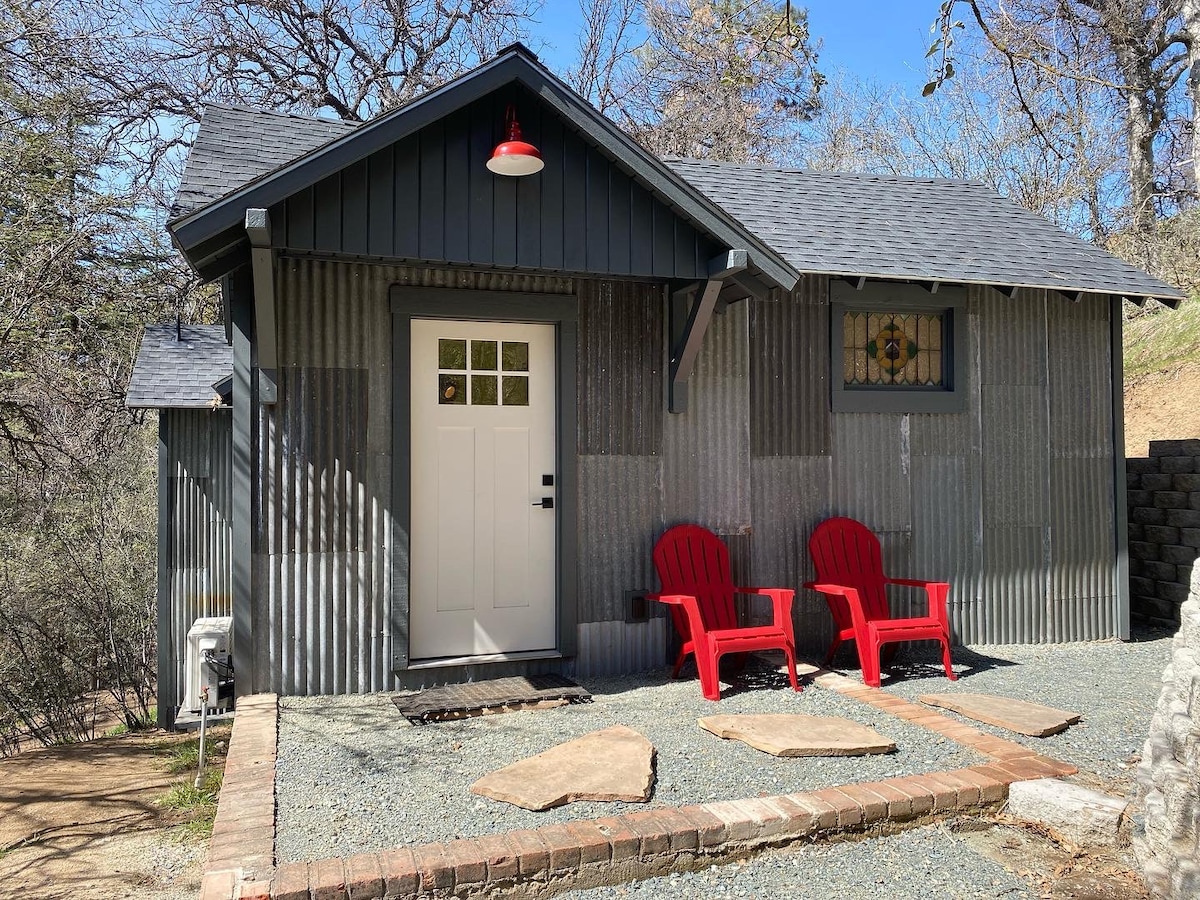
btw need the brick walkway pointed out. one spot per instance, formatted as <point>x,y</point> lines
<point>593,852</point>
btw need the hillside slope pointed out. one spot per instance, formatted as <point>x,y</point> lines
<point>1162,377</point>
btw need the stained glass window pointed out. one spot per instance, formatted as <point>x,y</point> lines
<point>893,349</point>
<point>480,370</point>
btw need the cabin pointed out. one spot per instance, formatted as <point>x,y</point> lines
<point>449,411</point>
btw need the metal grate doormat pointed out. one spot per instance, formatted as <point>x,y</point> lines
<point>481,698</point>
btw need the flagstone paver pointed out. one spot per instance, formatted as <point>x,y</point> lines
<point>612,764</point>
<point>795,735</point>
<point>1020,716</point>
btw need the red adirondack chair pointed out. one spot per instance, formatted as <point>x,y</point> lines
<point>850,575</point>
<point>693,566</point>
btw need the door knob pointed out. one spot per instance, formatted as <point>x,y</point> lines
<point>545,503</point>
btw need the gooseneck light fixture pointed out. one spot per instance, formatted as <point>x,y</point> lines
<point>515,156</point>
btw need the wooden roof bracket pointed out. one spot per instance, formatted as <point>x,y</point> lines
<point>262,265</point>
<point>687,332</point>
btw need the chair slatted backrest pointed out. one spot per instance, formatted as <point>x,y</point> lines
<point>845,552</point>
<point>692,560</point>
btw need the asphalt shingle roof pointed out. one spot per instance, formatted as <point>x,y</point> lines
<point>910,228</point>
<point>179,373</point>
<point>824,222</point>
<point>237,144</point>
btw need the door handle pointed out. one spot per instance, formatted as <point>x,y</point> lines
<point>545,503</point>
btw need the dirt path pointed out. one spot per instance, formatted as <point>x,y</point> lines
<point>82,823</point>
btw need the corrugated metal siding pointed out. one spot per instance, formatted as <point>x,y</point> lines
<point>1008,502</point>
<point>431,197</point>
<point>1013,335</point>
<point>620,517</point>
<point>1013,585</point>
<point>792,494</point>
<point>607,648</point>
<point>871,468</point>
<point>200,483</point>
<point>789,359</point>
<point>979,497</point>
<point>1080,391</point>
<point>620,368</point>
<point>947,529</point>
<point>323,616</point>
<point>706,466</point>
<point>1016,465</point>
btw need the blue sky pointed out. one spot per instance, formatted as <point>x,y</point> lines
<point>882,41</point>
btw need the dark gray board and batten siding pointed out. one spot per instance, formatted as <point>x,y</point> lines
<point>430,197</point>
<point>759,457</point>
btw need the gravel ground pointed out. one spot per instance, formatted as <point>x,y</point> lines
<point>1113,685</point>
<point>913,865</point>
<point>354,776</point>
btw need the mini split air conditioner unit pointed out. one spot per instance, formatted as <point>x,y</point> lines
<point>208,664</point>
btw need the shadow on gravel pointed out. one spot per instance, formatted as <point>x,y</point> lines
<point>917,661</point>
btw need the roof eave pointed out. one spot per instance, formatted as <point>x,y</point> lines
<point>1171,296</point>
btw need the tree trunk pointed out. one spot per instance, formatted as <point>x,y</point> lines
<point>1190,13</point>
<point>1140,134</point>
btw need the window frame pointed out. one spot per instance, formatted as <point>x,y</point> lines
<point>885,297</point>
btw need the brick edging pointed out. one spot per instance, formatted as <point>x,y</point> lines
<point>965,735</point>
<point>241,852</point>
<point>588,853</point>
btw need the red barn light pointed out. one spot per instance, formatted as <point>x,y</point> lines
<point>515,156</point>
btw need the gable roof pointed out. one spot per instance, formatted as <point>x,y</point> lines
<point>238,144</point>
<point>911,228</point>
<point>205,226</point>
<point>792,220</point>
<point>172,373</point>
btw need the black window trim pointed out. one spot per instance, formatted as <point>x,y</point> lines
<point>883,296</point>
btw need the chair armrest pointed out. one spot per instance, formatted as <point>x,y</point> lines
<point>857,617</point>
<point>690,607</point>
<point>937,591</point>
<point>781,602</point>
<point>837,590</point>
<point>913,582</point>
<point>673,599</point>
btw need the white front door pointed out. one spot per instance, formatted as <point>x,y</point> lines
<point>483,447</point>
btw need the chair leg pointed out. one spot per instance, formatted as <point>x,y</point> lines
<point>679,663</point>
<point>790,654</point>
<point>889,654</point>
<point>833,649</point>
<point>708,664</point>
<point>946,659</point>
<point>868,656</point>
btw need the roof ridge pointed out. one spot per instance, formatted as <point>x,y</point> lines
<point>796,170</point>
<point>245,107</point>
